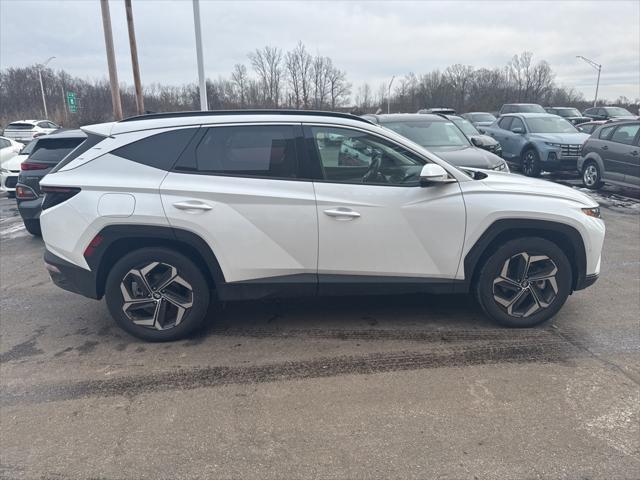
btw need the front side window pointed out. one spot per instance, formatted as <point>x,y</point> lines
<point>258,151</point>
<point>351,156</point>
<point>517,123</point>
<point>505,123</point>
<point>605,133</point>
<point>586,128</point>
<point>625,134</point>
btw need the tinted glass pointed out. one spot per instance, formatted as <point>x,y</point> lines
<point>482,117</point>
<point>29,147</point>
<point>618,112</point>
<point>428,133</point>
<point>505,122</point>
<point>549,125</point>
<point>625,134</point>
<point>350,156</point>
<point>158,151</point>
<point>566,112</point>
<point>586,128</point>
<point>91,141</point>
<point>52,150</point>
<point>528,109</point>
<point>19,126</point>
<point>260,151</point>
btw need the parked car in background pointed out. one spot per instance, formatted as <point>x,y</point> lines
<point>166,212</point>
<point>609,113</point>
<point>10,158</point>
<point>479,119</point>
<point>570,114</point>
<point>589,127</point>
<point>521,108</point>
<point>43,155</point>
<point>612,155</point>
<point>538,141</point>
<point>478,139</point>
<point>26,130</point>
<point>441,136</point>
<point>442,110</point>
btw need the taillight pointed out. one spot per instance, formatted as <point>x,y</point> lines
<point>34,166</point>
<point>56,195</point>
<point>93,244</point>
<point>25,193</point>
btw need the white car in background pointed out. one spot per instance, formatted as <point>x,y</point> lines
<point>9,163</point>
<point>26,130</point>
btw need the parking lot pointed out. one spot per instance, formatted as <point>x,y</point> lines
<point>350,387</point>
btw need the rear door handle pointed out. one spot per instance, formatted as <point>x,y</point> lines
<point>342,213</point>
<point>604,147</point>
<point>634,153</point>
<point>192,205</point>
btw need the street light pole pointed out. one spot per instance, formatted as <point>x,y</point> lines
<point>203,85</point>
<point>389,95</point>
<point>44,100</point>
<point>598,67</point>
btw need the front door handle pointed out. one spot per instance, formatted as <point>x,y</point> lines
<point>604,147</point>
<point>342,213</point>
<point>192,205</point>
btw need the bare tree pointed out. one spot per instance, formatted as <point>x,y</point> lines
<point>267,62</point>
<point>320,77</point>
<point>339,88</point>
<point>298,64</point>
<point>239,78</point>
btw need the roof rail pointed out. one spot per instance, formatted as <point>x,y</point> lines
<point>196,113</point>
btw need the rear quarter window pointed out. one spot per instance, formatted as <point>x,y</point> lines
<point>605,133</point>
<point>159,151</point>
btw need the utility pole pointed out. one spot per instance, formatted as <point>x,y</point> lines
<point>598,67</point>
<point>389,95</point>
<point>203,85</point>
<point>134,58</point>
<point>64,104</point>
<point>111,60</point>
<point>44,100</point>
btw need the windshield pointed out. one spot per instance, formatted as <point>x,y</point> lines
<point>618,112</point>
<point>566,112</point>
<point>483,117</point>
<point>549,125</point>
<point>466,126</point>
<point>533,108</point>
<point>428,133</point>
<point>53,150</point>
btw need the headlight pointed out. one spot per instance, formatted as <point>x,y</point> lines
<point>592,212</point>
<point>557,145</point>
<point>503,167</point>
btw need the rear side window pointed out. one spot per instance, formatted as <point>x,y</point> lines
<point>158,151</point>
<point>259,151</point>
<point>91,141</point>
<point>625,134</point>
<point>52,150</point>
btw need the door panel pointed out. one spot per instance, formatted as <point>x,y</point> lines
<point>398,231</point>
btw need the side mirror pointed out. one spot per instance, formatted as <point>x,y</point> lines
<point>477,142</point>
<point>433,173</point>
<point>518,130</point>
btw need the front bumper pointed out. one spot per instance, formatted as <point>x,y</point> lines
<point>560,163</point>
<point>70,277</point>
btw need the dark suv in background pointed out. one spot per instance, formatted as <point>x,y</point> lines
<point>609,113</point>
<point>612,155</point>
<point>570,114</point>
<point>46,153</point>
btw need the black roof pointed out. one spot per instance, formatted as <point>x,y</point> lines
<point>198,113</point>
<point>405,117</point>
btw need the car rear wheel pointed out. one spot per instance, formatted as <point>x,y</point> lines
<point>33,227</point>
<point>157,294</point>
<point>591,176</point>
<point>524,282</point>
<point>531,163</point>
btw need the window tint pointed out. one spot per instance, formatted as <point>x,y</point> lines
<point>625,134</point>
<point>52,150</point>
<point>586,128</point>
<point>605,132</point>
<point>260,151</point>
<point>158,151</point>
<point>350,156</point>
<point>516,123</point>
<point>505,123</point>
<point>91,141</point>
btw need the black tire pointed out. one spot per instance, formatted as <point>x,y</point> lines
<point>187,273</point>
<point>530,162</point>
<point>591,175</point>
<point>490,289</point>
<point>33,227</point>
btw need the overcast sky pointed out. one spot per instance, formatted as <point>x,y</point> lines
<point>370,40</point>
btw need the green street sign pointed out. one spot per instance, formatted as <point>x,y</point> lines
<point>71,102</point>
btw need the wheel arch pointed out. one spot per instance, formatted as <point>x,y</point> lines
<point>116,240</point>
<point>501,231</point>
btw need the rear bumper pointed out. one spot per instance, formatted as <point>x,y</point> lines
<point>71,277</point>
<point>30,209</point>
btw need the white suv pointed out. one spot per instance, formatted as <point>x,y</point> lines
<point>162,213</point>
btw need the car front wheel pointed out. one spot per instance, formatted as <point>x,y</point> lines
<point>524,282</point>
<point>531,163</point>
<point>157,294</point>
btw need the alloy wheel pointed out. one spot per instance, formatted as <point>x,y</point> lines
<point>529,163</point>
<point>590,175</point>
<point>526,284</point>
<point>156,296</point>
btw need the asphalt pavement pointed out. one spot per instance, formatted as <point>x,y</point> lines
<point>351,387</point>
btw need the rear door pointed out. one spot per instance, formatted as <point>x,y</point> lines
<point>623,152</point>
<point>239,188</point>
<point>376,223</point>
